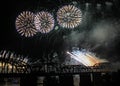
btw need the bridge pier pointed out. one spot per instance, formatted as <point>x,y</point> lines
<point>81,79</point>
<point>28,80</point>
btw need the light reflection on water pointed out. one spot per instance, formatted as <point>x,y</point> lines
<point>10,81</point>
<point>9,84</point>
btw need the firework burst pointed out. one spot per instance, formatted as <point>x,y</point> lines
<point>25,24</point>
<point>69,16</point>
<point>44,22</point>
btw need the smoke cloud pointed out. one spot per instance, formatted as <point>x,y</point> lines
<point>103,35</point>
<point>75,37</point>
<point>103,32</point>
<point>116,66</point>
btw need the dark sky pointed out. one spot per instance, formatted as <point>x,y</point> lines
<point>37,45</point>
<point>10,39</point>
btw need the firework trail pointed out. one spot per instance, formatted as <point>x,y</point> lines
<point>86,58</point>
<point>11,62</point>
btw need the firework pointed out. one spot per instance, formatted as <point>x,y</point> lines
<point>69,16</point>
<point>44,22</point>
<point>86,58</point>
<point>10,55</point>
<point>12,63</point>
<point>25,24</point>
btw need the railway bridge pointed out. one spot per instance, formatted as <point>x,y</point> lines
<point>12,65</point>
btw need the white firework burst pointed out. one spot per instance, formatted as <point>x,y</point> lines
<point>69,16</point>
<point>44,22</point>
<point>25,24</point>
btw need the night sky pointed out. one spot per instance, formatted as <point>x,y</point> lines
<point>105,42</point>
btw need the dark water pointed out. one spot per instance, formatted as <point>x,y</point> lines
<point>9,81</point>
<point>9,84</point>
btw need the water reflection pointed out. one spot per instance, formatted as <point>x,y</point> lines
<point>9,84</point>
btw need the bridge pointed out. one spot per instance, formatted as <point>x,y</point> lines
<point>11,63</point>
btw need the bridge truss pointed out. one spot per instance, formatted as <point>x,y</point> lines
<point>15,64</point>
